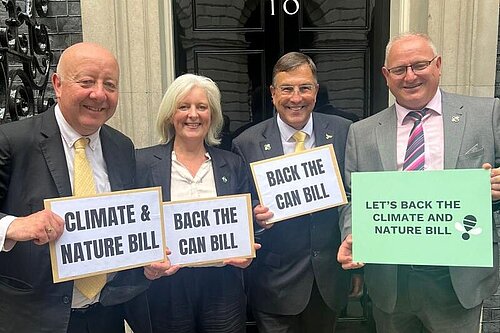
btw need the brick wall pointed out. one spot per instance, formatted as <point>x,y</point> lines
<point>64,25</point>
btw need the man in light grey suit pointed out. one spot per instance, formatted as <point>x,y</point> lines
<point>460,132</point>
<point>295,283</point>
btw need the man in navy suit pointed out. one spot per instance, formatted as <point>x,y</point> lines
<point>36,163</point>
<point>295,283</point>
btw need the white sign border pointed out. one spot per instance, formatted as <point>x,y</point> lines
<point>52,247</point>
<point>248,199</point>
<point>290,156</point>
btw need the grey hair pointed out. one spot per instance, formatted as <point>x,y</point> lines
<point>178,90</point>
<point>406,35</point>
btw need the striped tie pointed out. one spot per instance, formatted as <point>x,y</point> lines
<point>415,151</point>
<point>84,185</point>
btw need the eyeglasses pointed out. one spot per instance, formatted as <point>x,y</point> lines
<point>416,67</point>
<point>303,89</point>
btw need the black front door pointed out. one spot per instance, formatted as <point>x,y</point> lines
<point>237,42</point>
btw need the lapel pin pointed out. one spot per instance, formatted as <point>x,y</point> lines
<point>224,179</point>
<point>455,119</point>
<point>267,146</point>
<point>328,136</point>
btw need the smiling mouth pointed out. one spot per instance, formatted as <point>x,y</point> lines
<point>192,125</point>
<point>412,86</point>
<point>93,109</point>
<point>295,108</point>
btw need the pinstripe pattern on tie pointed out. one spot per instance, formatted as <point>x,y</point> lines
<point>84,185</point>
<point>415,151</point>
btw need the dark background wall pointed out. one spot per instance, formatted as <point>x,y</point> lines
<point>64,25</point>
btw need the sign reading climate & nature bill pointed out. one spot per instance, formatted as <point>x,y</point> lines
<point>107,233</point>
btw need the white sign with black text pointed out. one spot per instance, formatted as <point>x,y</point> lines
<point>209,230</point>
<point>299,183</point>
<point>107,233</point>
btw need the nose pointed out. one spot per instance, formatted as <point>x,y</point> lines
<point>192,112</point>
<point>410,74</point>
<point>296,95</point>
<point>98,92</point>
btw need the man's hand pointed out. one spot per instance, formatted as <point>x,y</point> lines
<point>344,256</point>
<point>162,268</point>
<point>495,181</point>
<point>262,214</point>
<point>241,263</point>
<point>41,227</point>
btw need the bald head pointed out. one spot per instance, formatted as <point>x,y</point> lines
<point>84,50</point>
<point>86,86</point>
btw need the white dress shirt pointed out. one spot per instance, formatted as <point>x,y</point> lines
<point>287,132</point>
<point>96,159</point>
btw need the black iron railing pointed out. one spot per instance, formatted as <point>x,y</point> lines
<point>25,58</point>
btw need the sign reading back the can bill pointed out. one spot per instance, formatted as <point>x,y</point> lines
<point>299,183</point>
<point>106,233</point>
<point>441,217</point>
<point>208,231</point>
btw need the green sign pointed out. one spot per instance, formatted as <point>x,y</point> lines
<point>428,218</point>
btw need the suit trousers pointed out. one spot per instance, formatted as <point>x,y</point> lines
<point>427,303</point>
<point>317,317</point>
<point>97,319</point>
<point>199,300</point>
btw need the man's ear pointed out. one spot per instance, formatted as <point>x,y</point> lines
<point>56,83</point>
<point>386,73</point>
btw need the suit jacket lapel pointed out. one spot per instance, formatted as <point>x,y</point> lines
<point>111,152</point>
<point>222,172</point>
<point>53,152</point>
<point>323,133</point>
<point>271,145</point>
<point>386,133</point>
<point>454,119</point>
<point>161,170</point>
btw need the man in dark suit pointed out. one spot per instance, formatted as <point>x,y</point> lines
<point>36,163</point>
<point>296,285</point>
<point>460,132</point>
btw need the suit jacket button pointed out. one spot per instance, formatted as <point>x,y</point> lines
<point>65,299</point>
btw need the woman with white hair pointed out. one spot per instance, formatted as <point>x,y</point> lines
<point>188,166</point>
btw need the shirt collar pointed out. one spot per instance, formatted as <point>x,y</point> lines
<point>69,134</point>
<point>174,156</point>
<point>288,131</point>
<point>434,105</point>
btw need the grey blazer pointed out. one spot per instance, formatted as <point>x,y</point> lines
<point>299,251</point>
<point>32,168</point>
<point>371,146</point>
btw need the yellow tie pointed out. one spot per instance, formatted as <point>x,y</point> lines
<point>299,138</point>
<point>84,185</point>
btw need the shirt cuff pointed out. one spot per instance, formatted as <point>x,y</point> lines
<point>6,244</point>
